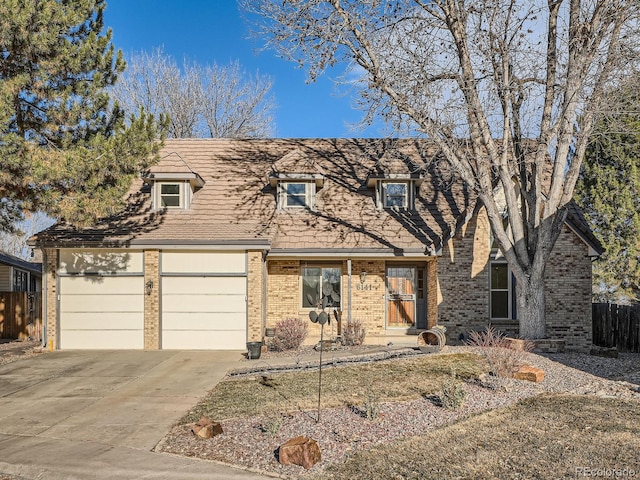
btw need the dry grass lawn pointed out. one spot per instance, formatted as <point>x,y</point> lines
<point>551,436</point>
<point>393,380</point>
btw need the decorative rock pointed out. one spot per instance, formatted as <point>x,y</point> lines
<point>516,344</point>
<point>531,374</point>
<point>301,451</point>
<point>548,345</point>
<point>607,352</point>
<point>205,428</point>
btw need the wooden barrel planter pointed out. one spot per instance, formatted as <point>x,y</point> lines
<point>432,340</point>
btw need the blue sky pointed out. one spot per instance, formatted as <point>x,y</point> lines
<point>209,31</point>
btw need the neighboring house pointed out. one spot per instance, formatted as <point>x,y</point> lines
<point>17,275</point>
<point>223,238</point>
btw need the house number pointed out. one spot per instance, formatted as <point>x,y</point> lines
<point>363,286</point>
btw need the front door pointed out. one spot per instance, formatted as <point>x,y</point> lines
<point>401,297</point>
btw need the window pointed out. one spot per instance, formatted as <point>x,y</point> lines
<point>20,280</point>
<point>395,194</point>
<point>296,195</point>
<point>170,195</point>
<point>501,292</point>
<point>321,287</point>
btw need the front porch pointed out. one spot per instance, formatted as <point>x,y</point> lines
<point>394,299</point>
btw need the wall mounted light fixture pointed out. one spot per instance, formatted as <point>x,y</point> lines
<point>363,277</point>
<point>148,287</point>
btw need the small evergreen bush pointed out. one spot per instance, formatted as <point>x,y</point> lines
<point>452,393</point>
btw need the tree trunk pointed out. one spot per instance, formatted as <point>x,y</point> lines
<point>531,308</point>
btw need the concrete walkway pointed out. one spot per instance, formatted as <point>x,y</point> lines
<point>99,414</point>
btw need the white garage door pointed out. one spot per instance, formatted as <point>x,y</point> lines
<point>204,303</point>
<point>101,300</point>
<point>101,312</point>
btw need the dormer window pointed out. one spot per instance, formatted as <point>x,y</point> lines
<point>395,191</point>
<point>171,195</point>
<point>173,191</point>
<point>395,194</point>
<point>296,194</point>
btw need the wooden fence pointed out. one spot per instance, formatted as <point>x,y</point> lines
<point>21,315</point>
<point>616,326</point>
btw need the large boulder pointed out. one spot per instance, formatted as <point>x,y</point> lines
<point>301,451</point>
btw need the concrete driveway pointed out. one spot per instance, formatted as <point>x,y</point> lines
<point>99,414</point>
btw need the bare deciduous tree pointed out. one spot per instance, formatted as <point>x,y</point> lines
<point>200,101</point>
<point>521,82</point>
<point>14,242</point>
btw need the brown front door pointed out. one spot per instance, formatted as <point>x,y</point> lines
<point>401,297</point>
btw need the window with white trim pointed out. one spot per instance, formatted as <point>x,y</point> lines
<point>296,194</point>
<point>321,286</point>
<point>171,195</point>
<point>396,194</point>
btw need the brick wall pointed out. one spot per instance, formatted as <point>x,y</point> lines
<point>463,280</point>
<point>51,315</point>
<point>368,301</point>
<point>463,284</point>
<point>568,292</point>
<point>152,302</point>
<point>255,283</point>
<point>284,300</point>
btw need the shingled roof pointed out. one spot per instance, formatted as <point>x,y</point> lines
<point>237,203</point>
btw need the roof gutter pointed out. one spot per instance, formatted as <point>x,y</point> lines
<point>177,244</point>
<point>351,252</point>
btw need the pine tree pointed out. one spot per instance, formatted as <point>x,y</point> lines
<point>65,148</point>
<point>609,193</point>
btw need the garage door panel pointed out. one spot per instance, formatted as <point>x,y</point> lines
<point>102,339</point>
<point>101,303</point>
<point>102,321</point>
<point>204,321</point>
<point>204,303</point>
<point>204,262</point>
<point>199,340</point>
<point>89,260</point>
<point>203,285</point>
<point>102,285</point>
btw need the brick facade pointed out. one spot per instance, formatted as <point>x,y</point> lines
<point>152,301</point>
<point>457,291</point>
<point>50,263</point>
<point>463,275</point>
<point>368,299</point>
<point>568,292</point>
<point>255,296</point>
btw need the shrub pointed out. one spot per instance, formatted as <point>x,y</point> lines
<point>289,334</point>
<point>452,393</point>
<point>271,424</point>
<point>353,333</point>
<point>495,348</point>
<point>371,407</point>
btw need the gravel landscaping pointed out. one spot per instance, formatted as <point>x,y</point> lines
<point>13,350</point>
<point>252,442</point>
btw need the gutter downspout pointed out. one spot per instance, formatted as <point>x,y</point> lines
<point>349,290</point>
<point>44,312</point>
<point>264,295</point>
